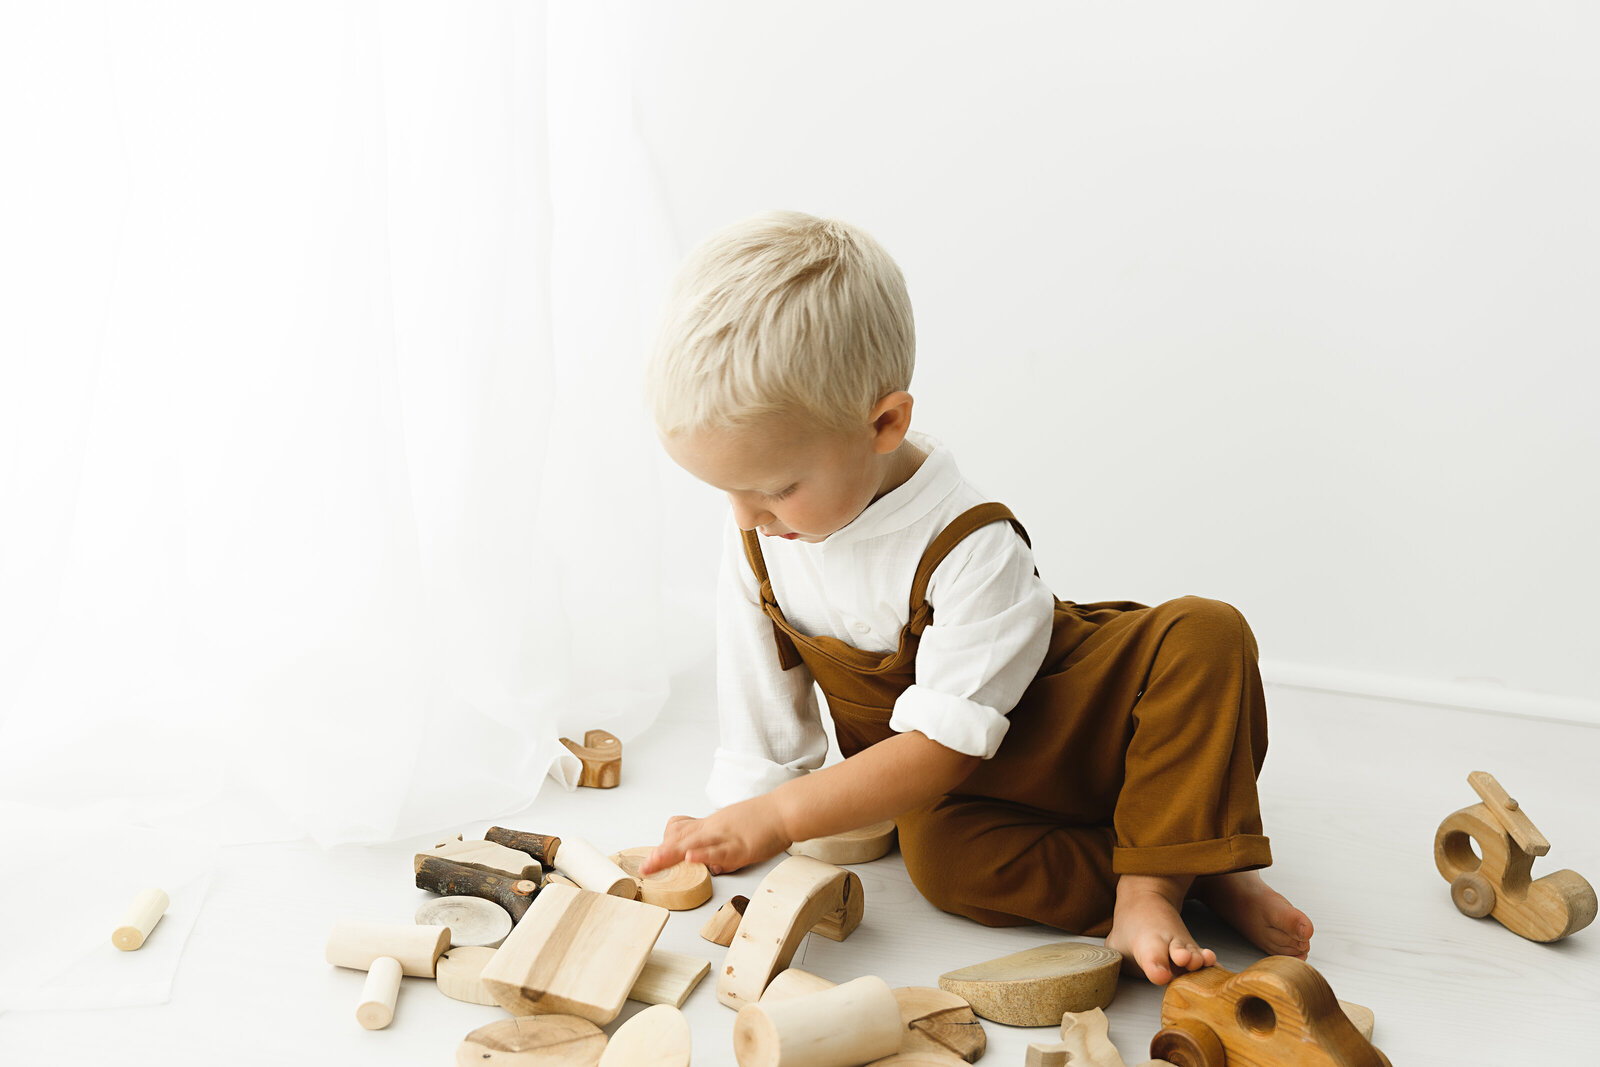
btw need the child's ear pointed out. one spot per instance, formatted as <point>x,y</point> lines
<point>891,418</point>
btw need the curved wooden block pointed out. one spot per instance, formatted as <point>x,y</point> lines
<point>842,921</point>
<point>1278,1011</point>
<point>682,887</point>
<point>720,928</point>
<point>853,846</point>
<point>793,897</point>
<point>1037,986</point>
<point>534,1041</point>
<point>601,756</point>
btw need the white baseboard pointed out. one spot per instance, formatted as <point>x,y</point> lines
<point>1519,702</point>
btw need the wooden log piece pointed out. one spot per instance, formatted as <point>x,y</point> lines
<point>790,900</point>
<point>849,1024</point>
<point>933,1020</point>
<point>720,928</point>
<point>490,854</point>
<point>355,944</point>
<point>459,974</point>
<point>576,952</point>
<point>656,1037</point>
<point>452,879</point>
<point>601,758</point>
<point>681,887</point>
<point>668,978</point>
<point>140,918</point>
<point>472,920</point>
<point>535,1041</point>
<point>793,982</point>
<point>853,846</point>
<point>378,993</point>
<point>593,869</point>
<point>541,847</point>
<point>1037,986</point>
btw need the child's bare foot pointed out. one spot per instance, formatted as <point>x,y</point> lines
<point>1259,912</point>
<point>1149,932</point>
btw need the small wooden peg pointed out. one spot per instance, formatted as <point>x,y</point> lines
<point>601,756</point>
<point>140,918</point>
<point>376,1009</point>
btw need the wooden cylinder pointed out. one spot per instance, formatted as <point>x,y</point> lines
<point>376,1009</point>
<point>793,982</point>
<point>541,847</point>
<point>593,869</point>
<point>356,945</point>
<point>140,918</point>
<point>849,1024</point>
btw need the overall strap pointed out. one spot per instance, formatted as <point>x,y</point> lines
<point>968,522</point>
<point>788,654</point>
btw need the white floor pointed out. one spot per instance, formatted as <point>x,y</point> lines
<point>1352,794</point>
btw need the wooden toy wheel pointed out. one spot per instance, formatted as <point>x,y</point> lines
<point>1473,894</point>
<point>1187,1043</point>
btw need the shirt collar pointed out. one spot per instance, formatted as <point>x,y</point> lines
<point>920,494</point>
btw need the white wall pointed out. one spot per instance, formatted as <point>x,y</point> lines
<point>1289,305</point>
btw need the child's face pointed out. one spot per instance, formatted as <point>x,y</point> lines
<point>787,478</point>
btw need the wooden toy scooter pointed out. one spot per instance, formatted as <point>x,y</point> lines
<point>1501,884</point>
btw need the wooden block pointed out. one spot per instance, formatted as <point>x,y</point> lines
<point>472,920</point>
<point>1497,879</point>
<point>1278,1011</point>
<point>1058,1054</point>
<point>601,756</point>
<point>542,847</point>
<point>849,1024</point>
<point>720,928</point>
<point>656,1037</point>
<point>490,854</point>
<point>842,921</point>
<point>933,1020</point>
<point>536,1041</point>
<point>682,887</point>
<point>355,944</point>
<point>593,869</point>
<point>668,978</point>
<point>557,878</point>
<point>376,1009</point>
<point>140,918</point>
<point>853,846</point>
<point>790,900</point>
<point>1361,1018</point>
<point>793,982</point>
<point>1037,986</point>
<point>576,952</point>
<point>459,974</point>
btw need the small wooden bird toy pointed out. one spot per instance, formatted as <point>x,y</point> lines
<point>1501,884</point>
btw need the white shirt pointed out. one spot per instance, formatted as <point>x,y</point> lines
<point>992,618</point>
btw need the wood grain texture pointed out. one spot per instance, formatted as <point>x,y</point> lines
<point>934,1020</point>
<point>720,928</point>
<point>668,978</point>
<point>459,974</point>
<point>790,900</point>
<point>536,1041</point>
<point>681,887</point>
<point>601,758</point>
<point>472,920</point>
<point>542,847</point>
<point>1036,986</point>
<point>656,1037</point>
<point>861,845</point>
<point>378,993</point>
<point>355,944</point>
<point>850,1024</point>
<point>1277,1013</point>
<point>575,952</point>
<point>593,869</point>
<point>490,854</point>
<point>453,879</point>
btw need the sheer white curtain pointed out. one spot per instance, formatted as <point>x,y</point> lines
<point>323,454</point>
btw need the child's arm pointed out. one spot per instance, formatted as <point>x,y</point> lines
<point>880,782</point>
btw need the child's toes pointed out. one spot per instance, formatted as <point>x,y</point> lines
<point>1154,963</point>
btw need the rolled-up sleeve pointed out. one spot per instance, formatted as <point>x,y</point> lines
<point>992,618</point>
<point>771,724</point>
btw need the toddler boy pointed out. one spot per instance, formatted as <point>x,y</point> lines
<point>1086,766</point>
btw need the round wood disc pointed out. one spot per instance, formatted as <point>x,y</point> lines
<point>1036,986</point>
<point>680,888</point>
<point>853,846</point>
<point>459,972</point>
<point>656,1037</point>
<point>534,1041</point>
<point>937,1021</point>
<point>472,920</point>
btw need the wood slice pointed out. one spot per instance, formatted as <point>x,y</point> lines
<point>459,974</point>
<point>853,846</point>
<point>720,928</point>
<point>679,888</point>
<point>656,1037</point>
<point>535,1041</point>
<point>576,952</point>
<point>668,978</point>
<point>472,920</point>
<point>938,1021</point>
<point>1037,986</point>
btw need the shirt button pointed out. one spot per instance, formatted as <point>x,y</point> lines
<point>861,628</point>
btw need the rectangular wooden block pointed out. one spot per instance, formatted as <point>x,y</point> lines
<point>575,952</point>
<point>669,978</point>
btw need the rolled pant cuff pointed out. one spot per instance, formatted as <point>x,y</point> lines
<point>1242,852</point>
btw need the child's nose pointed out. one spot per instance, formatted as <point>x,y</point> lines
<point>749,517</point>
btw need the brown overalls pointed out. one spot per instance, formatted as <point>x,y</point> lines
<point>1134,751</point>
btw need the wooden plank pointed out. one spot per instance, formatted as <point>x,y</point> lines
<point>668,978</point>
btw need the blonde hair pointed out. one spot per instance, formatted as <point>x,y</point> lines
<point>782,313</point>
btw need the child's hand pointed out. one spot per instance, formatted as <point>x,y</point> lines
<point>736,836</point>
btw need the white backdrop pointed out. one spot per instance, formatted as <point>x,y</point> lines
<point>1289,305</point>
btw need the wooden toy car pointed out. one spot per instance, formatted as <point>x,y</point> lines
<point>1277,1013</point>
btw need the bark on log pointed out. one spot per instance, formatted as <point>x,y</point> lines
<point>449,878</point>
<point>541,847</point>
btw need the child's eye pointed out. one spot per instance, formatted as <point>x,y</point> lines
<point>781,493</point>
